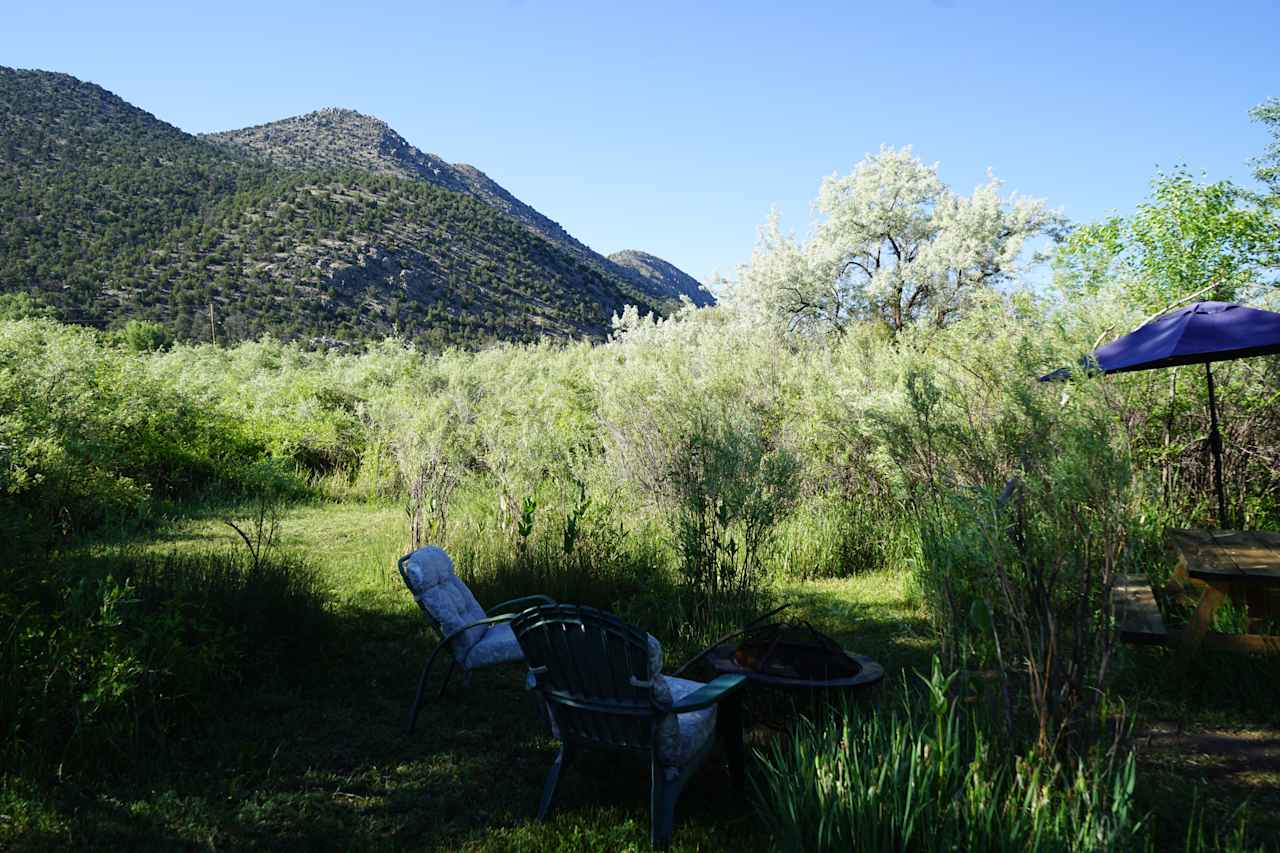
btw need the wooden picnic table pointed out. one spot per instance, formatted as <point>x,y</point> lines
<point>1242,565</point>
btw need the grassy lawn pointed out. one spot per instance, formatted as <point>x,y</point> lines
<point>326,765</point>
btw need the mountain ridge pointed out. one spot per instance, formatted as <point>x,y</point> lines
<point>665,278</point>
<point>109,214</point>
<point>343,137</point>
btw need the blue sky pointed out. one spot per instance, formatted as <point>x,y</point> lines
<point>674,128</point>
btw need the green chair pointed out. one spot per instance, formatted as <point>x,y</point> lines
<point>602,683</point>
<point>474,638</point>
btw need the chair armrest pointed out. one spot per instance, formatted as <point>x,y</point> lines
<point>540,598</point>
<point>709,694</point>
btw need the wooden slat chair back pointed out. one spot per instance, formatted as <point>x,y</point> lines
<point>596,672</point>
<point>602,683</point>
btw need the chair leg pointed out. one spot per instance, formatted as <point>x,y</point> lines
<point>553,781</point>
<point>662,806</point>
<point>452,665</point>
<point>422,686</point>
<point>730,725</point>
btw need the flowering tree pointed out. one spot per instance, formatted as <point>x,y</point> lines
<point>895,244</point>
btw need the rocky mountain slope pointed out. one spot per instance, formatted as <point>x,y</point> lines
<point>661,279</point>
<point>108,213</point>
<point>345,139</point>
<point>340,138</point>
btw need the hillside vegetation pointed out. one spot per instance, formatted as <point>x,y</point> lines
<point>352,256</point>
<point>345,139</point>
<point>108,214</point>
<point>338,138</point>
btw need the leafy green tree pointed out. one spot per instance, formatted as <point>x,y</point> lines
<point>21,306</point>
<point>1268,165</point>
<point>145,336</point>
<point>1187,239</point>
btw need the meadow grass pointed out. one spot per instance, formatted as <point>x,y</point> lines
<point>326,764</point>
<point>323,762</point>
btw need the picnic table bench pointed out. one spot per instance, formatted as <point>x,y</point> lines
<point>1243,566</point>
<point>1138,618</point>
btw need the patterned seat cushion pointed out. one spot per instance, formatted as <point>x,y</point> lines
<point>680,736</point>
<point>444,597</point>
<point>498,645</point>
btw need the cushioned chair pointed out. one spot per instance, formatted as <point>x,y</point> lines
<point>474,638</point>
<point>602,683</point>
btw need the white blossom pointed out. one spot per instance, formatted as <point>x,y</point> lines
<point>894,244</point>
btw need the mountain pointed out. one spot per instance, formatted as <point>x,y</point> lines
<point>341,138</point>
<point>89,182</point>
<point>660,278</point>
<point>108,213</point>
<point>345,139</point>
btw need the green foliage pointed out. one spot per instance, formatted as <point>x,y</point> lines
<point>109,215</point>
<point>105,657</point>
<point>89,437</point>
<point>832,537</point>
<point>21,306</point>
<point>1187,239</point>
<point>573,521</point>
<point>731,489</point>
<point>1268,165</point>
<point>1025,508</point>
<point>145,336</point>
<point>931,775</point>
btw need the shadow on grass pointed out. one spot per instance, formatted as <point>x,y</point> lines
<point>1208,736</point>
<point>322,762</point>
<point>1214,689</point>
<point>326,765</point>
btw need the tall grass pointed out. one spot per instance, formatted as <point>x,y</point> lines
<point>928,776</point>
<point>108,655</point>
<point>833,538</point>
<point>629,572</point>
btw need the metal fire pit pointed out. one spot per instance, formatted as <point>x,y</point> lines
<point>798,664</point>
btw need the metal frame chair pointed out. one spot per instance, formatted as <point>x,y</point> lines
<point>459,640</point>
<point>602,684</point>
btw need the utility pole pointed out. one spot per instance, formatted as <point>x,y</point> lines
<point>213,335</point>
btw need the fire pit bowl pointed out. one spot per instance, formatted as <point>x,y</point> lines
<point>795,656</point>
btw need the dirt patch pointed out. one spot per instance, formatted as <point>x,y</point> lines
<point>1247,757</point>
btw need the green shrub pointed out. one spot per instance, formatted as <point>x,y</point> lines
<point>105,656</point>
<point>22,306</point>
<point>89,438</point>
<point>627,570</point>
<point>1025,506</point>
<point>731,489</point>
<point>831,537</point>
<point>145,336</point>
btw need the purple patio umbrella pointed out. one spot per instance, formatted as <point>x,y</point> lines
<point>1200,333</point>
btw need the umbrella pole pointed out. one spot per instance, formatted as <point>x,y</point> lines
<point>1215,444</point>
